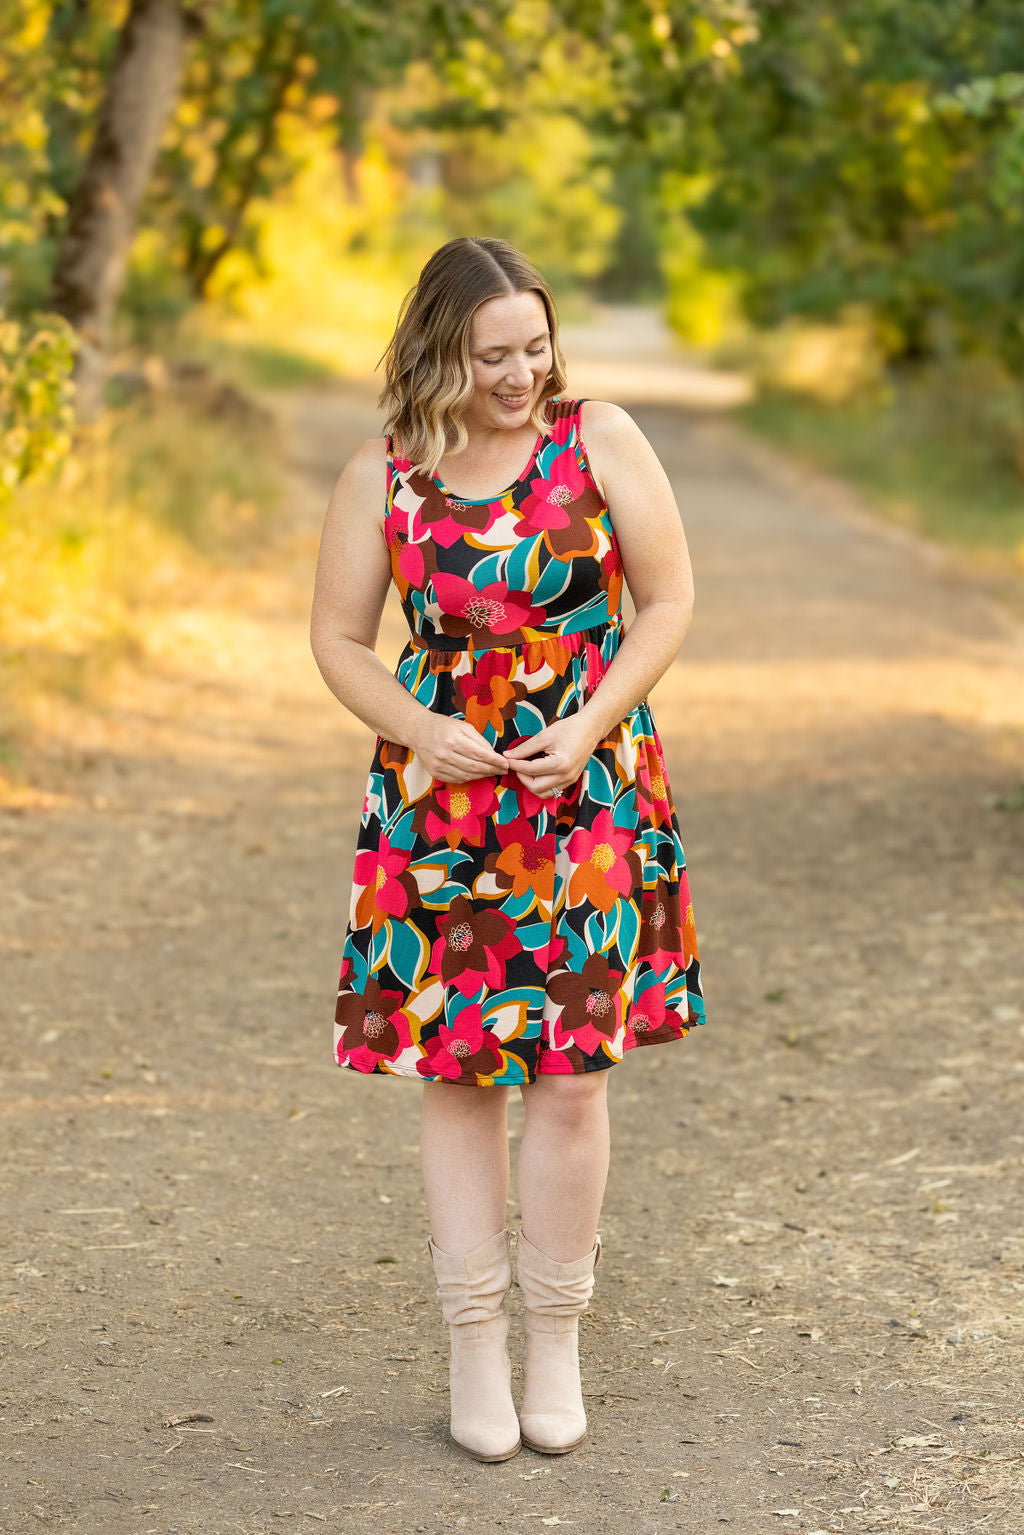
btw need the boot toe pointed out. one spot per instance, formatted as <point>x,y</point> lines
<point>487,1443</point>
<point>552,1432</point>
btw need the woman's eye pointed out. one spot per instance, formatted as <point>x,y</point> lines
<point>492,362</point>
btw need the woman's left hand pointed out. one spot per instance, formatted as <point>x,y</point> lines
<point>550,762</point>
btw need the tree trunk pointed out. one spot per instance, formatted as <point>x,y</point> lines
<point>93,253</point>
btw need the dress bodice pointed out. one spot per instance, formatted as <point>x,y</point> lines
<point>540,559</point>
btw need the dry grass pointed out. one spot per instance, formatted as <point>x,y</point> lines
<point>154,498</point>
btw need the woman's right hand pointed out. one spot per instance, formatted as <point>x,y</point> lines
<point>453,752</point>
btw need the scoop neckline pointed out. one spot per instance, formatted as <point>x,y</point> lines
<point>497,495</point>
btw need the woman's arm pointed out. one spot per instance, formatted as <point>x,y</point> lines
<point>353,573</point>
<point>352,577</point>
<point>655,560</point>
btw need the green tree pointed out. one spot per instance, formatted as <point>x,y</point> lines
<point>870,153</point>
<point>209,86</point>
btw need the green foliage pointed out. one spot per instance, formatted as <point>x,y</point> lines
<point>52,69</point>
<point>869,154</point>
<point>36,392</point>
<point>259,68</point>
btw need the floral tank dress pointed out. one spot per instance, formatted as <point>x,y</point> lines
<point>495,936</point>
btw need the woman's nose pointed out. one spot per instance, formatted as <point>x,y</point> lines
<point>520,374</point>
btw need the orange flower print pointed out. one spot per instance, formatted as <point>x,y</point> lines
<point>490,697</point>
<point>604,865</point>
<point>526,862</point>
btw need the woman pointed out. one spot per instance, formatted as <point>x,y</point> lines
<point>520,910</point>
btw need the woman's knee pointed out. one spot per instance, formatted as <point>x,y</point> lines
<point>452,1099</point>
<point>567,1098</point>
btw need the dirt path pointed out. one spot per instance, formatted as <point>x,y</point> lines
<point>809,1313</point>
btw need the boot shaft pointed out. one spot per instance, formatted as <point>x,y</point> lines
<point>555,1294</point>
<point>472,1286</point>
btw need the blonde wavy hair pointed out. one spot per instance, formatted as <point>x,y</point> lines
<point>427,368</point>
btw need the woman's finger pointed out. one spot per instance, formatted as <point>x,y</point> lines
<point>550,767</point>
<point>530,747</point>
<point>472,742</point>
<point>485,765</point>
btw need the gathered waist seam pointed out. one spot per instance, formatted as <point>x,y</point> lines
<point>527,637</point>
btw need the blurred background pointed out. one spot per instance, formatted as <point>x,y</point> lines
<point>787,236</point>
<point>201,202</point>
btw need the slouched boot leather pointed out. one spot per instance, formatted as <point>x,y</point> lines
<point>552,1418</point>
<point>472,1289</point>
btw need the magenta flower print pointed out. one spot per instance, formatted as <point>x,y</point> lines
<point>467,609</point>
<point>389,890</point>
<point>407,566</point>
<point>559,506</point>
<point>412,566</point>
<point>473,947</point>
<point>411,562</point>
<point>548,502</point>
<point>456,813</point>
<point>373,1027</point>
<point>463,1050</point>
<point>652,801</point>
<point>651,1020</point>
<point>564,1063</point>
<point>527,802</point>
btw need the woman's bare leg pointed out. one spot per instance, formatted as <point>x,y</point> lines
<point>464,1154</point>
<point>563,1162</point>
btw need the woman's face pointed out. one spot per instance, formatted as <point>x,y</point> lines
<point>510,355</point>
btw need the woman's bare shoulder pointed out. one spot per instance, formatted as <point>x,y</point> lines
<point>369,458</point>
<point>365,471</point>
<point>608,432</point>
<point>603,421</point>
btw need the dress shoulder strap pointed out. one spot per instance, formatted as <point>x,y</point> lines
<point>570,411</point>
<point>560,409</point>
<point>389,459</point>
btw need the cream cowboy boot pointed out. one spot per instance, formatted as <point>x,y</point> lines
<point>552,1418</point>
<point>472,1290</point>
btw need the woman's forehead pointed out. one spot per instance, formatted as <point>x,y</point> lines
<point>513,319</point>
